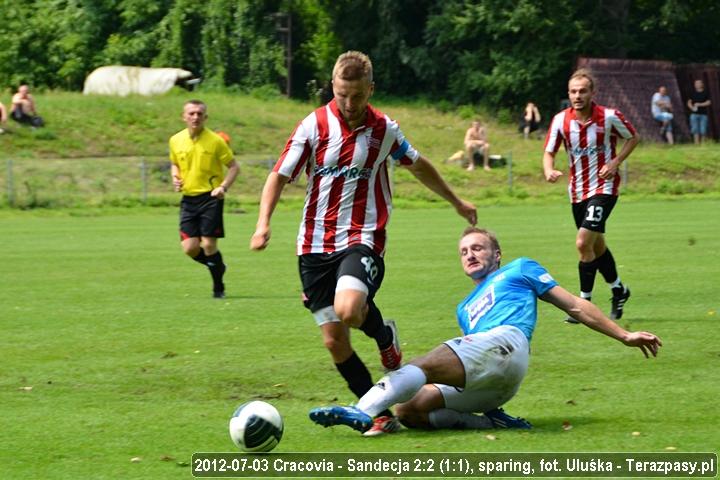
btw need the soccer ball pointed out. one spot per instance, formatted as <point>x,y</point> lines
<point>256,427</point>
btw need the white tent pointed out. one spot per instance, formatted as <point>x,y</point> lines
<point>122,80</point>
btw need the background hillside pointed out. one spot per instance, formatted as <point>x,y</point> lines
<point>492,52</point>
<point>92,149</point>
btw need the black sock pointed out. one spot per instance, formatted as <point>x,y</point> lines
<point>201,257</point>
<point>356,374</point>
<point>374,327</point>
<point>606,266</point>
<point>587,275</point>
<point>217,270</point>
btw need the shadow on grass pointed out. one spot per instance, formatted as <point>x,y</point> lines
<point>540,425</point>
<point>256,297</point>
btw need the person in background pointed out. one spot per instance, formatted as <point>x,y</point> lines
<point>661,107</point>
<point>699,104</point>
<point>531,119</point>
<point>3,118</point>
<point>476,141</point>
<point>23,108</point>
<point>198,156</point>
<point>590,133</point>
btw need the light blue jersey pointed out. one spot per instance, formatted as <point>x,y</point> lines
<point>508,296</point>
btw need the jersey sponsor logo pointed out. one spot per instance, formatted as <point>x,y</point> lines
<point>588,151</point>
<point>347,172</point>
<point>545,278</point>
<point>499,277</point>
<point>480,307</point>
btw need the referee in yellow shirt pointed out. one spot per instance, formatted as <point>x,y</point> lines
<point>198,156</point>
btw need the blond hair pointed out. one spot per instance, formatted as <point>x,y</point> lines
<point>490,235</point>
<point>353,65</point>
<point>584,73</point>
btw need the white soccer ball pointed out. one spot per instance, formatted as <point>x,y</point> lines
<point>256,427</point>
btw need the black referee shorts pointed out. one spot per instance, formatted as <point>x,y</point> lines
<point>201,216</point>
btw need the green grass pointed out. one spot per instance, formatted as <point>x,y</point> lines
<point>128,356</point>
<point>91,150</point>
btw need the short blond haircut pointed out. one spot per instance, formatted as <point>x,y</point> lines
<point>353,65</point>
<point>490,235</point>
<point>584,73</point>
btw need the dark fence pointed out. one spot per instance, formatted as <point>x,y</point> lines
<point>629,85</point>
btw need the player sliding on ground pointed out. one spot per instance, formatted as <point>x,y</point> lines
<point>483,369</point>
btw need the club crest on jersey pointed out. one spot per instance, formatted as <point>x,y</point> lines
<point>480,307</point>
<point>373,143</point>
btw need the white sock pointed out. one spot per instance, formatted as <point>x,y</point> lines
<point>396,387</point>
<point>586,295</point>
<point>448,418</point>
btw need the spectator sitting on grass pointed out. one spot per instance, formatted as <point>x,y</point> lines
<point>476,141</point>
<point>3,118</point>
<point>23,108</point>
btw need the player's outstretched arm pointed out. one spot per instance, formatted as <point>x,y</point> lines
<point>591,316</point>
<point>428,175</point>
<point>268,201</point>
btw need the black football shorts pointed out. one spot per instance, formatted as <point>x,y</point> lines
<point>319,273</point>
<point>594,212</point>
<point>201,216</point>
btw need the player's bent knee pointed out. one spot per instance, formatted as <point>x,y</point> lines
<point>350,300</point>
<point>583,245</point>
<point>348,314</point>
<point>191,251</point>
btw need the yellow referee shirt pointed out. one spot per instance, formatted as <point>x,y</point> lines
<point>200,161</point>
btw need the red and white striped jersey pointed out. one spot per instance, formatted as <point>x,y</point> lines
<point>589,147</point>
<point>349,198</point>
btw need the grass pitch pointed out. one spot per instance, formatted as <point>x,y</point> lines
<point>113,349</point>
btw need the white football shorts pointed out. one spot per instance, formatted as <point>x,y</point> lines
<point>495,364</point>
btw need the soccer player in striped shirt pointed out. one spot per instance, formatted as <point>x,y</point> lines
<point>590,133</point>
<point>344,148</point>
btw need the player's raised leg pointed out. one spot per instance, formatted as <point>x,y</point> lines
<point>360,276</point>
